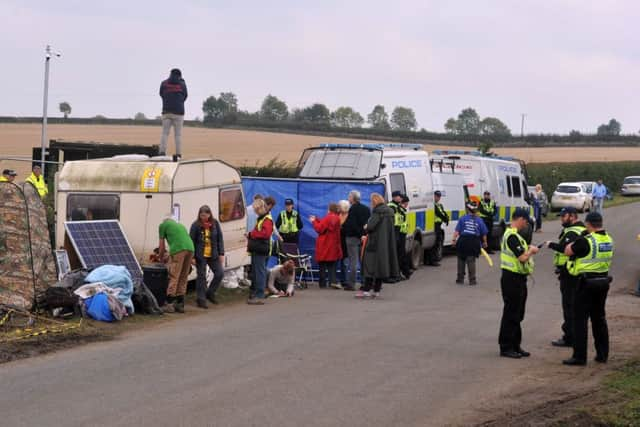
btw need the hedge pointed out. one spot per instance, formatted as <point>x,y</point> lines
<point>549,175</point>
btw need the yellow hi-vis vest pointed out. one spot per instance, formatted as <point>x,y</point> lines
<point>3,179</point>
<point>39,183</point>
<point>259,228</point>
<point>508,260</point>
<point>560,259</point>
<point>288,225</point>
<point>439,208</point>
<point>404,224</point>
<point>399,217</point>
<point>490,206</point>
<point>599,258</point>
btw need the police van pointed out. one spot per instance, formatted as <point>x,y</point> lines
<point>461,174</point>
<point>399,167</point>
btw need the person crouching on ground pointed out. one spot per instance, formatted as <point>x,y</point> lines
<point>328,246</point>
<point>470,236</point>
<point>209,251</point>
<point>380,260</point>
<point>260,247</point>
<point>281,279</point>
<point>181,250</point>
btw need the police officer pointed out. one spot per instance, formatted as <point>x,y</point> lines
<point>488,211</point>
<point>400,226</point>
<point>590,259</point>
<point>441,216</point>
<point>289,223</point>
<point>572,228</point>
<point>516,262</point>
<point>404,261</point>
<point>8,175</point>
<point>37,180</point>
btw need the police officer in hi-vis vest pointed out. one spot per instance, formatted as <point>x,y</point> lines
<point>487,210</point>
<point>400,226</point>
<point>516,262</point>
<point>590,260</point>
<point>289,223</point>
<point>441,216</point>
<point>572,228</point>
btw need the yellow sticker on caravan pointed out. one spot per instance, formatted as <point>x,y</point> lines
<point>150,181</point>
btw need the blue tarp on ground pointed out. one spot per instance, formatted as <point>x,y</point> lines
<point>310,197</point>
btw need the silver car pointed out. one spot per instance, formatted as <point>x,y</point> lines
<point>571,194</point>
<point>630,186</point>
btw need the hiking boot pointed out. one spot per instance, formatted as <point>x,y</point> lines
<point>179,304</point>
<point>460,281</point>
<point>202,303</point>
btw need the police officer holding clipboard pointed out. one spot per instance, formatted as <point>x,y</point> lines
<point>590,260</point>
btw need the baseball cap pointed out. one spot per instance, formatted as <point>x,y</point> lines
<point>396,194</point>
<point>9,172</point>
<point>288,202</point>
<point>520,213</point>
<point>593,218</point>
<point>568,210</point>
<point>437,193</point>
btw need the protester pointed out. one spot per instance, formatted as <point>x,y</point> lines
<point>328,246</point>
<point>354,230</point>
<point>173,92</point>
<point>539,200</point>
<point>289,223</point>
<point>343,213</point>
<point>270,203</point>
<point>252,217</point>
<point>598,194</point>
<point>380,259</point>
<point>209,251</point>
<point>281,279</point>
<point>260,248</point>
<point>181,250</point>
<point>37,180</point>
<point>8,175</point>
<point>469,237</point>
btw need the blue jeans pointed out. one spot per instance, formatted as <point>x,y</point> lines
<point>597,204</point>
<point>201,282</point>
<point>258,275</point>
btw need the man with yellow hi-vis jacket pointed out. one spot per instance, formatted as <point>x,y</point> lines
<point>590,260</point>
<point>399,203</point>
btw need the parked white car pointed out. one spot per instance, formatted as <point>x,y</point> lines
<point>572,194</point>
<point>630,186</point>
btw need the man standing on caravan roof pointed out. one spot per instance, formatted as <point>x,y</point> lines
<point>173,92</point>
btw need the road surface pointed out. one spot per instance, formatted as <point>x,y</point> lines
<point>424,354</point>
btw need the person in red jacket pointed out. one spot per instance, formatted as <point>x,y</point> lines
<point>328,245</point>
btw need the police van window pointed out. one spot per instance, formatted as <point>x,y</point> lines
<point>509,192</point>
<point>517,191</point>
<point>231,204</point>
<point>87,207</point>
<point>397,183</point>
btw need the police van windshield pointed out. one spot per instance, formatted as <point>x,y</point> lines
<point>340,163</point>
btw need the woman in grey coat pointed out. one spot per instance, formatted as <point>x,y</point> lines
<point>380,260</point>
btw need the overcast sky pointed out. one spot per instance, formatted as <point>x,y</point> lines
<point>567,64</point>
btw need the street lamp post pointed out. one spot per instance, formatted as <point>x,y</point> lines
<point>45,102</point>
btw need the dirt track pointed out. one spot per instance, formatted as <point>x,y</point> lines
<point>247,147</point>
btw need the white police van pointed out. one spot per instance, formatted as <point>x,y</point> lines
<point>400,167</point>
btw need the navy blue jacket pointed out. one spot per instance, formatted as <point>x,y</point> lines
<point>217,241</point>
<point>173,92</point>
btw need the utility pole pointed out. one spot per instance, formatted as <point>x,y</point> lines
<point>522,125</point>
<point>45,102</point>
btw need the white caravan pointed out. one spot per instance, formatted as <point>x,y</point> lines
<point>139,191</point>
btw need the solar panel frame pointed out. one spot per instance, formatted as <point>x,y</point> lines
<point>110,235</point>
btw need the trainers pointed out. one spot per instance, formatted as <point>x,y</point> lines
<point>255,301</point>
<point>375,295</point>
<point>168,308</point>
<point>359,294</point>
<point>336,286</point>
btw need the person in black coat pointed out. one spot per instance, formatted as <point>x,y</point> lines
<point>173,92</point>
<point>209,251</point>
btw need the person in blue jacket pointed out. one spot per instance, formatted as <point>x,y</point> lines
<point>469,237</point>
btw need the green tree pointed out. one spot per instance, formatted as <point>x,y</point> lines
<point>346,117</point>
<point>485,147</point>
<point>273,109</point>
<point>403,118</point>
<point>493,126</point>
<point>468,122</point>
<point>65,108</point>
<point>612,128</point>
<point>378,118</point>
<point>139,116</point>
<point>451,126</point>
<point>223,109</point>
<point>317,114</point>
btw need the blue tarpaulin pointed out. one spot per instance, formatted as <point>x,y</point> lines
<point>310,197</point>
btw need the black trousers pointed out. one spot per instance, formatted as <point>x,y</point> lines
<point>514,295</point>
<point>324,268</point>
<point>403,258</point>
<point>590,304</point>
<point>568,284</point>
<point>439,233</point>
<point>370,282</point>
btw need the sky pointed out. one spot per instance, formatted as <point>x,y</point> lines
<point>566,64</point>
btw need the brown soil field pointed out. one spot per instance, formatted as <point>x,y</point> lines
<point>240,147</point>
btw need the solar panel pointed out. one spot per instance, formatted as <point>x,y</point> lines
<point>100,243</point>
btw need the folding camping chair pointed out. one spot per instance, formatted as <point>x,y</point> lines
<point>304,274</point>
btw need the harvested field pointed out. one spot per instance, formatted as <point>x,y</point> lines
<point>240,147</point>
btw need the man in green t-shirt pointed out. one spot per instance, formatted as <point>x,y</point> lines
<point>181,250</point>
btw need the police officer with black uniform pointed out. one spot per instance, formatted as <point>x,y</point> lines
<point>400,226</point>
<point>590,260</point>
<point>289,223</point>
<point>516,262</point>
<point>488,211</point>
<point>572,228</point>
<point>441,216</point>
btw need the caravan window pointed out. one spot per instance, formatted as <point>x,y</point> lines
<point>515,184</point>
<point>397,183</point>
<point>87,207</point>
<point>231,204</point>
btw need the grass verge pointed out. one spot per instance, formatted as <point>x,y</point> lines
<point>623,389</point>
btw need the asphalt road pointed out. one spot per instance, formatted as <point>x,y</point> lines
<point>421,355</point>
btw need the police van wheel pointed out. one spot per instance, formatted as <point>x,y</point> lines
<point>416,254</point>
